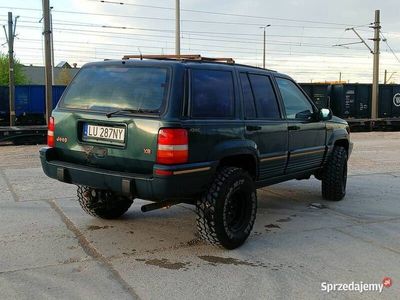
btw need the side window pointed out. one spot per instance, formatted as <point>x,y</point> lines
<point>212,94</point>
<point>248,98</point>
<point>265,98</point>
<point>296,104</point>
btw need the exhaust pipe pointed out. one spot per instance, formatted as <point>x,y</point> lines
<point>159,205</point>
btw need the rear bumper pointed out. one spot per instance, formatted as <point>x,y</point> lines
<point>184,181</point>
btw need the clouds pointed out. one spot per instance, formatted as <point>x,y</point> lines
<point>304,49</point>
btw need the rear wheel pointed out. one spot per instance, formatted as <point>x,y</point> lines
<point>227,211</point>
<point>334,177</point>
<point>102,204</point>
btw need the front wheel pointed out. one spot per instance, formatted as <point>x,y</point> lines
<point>334,177</point>
<point>102,204</point>
<point>227,211</point>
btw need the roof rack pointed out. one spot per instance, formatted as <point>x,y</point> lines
<point>197,57</point>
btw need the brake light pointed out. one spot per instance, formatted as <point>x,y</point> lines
<point>50,132</point>
<point>172,146</point>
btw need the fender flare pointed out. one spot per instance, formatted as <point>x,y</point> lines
<point>235,147</point>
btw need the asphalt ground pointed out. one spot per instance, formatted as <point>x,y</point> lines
<point>49,248</point>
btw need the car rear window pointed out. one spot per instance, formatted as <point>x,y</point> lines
<point>111,88</point>
<point>212,94</point>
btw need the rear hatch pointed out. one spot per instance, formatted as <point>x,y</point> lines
<point>109,117</point>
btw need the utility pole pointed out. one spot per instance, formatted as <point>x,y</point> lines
<point>177,28</point>
<point>387,80</point>
<point>264,50</point>
<point>375,82</point>
<point>11,75</point>
<point>47,54</point>
<point>384,80</point>
<point>340,77</point>
<point>52,47</point>
<point>264,43</point>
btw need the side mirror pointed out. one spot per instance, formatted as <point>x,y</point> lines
<point>325,114</point>
<point>304,115</point>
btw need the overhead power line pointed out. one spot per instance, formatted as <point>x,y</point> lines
<point>80,24</point>
<point>390,48</point>
<point>215,42</point>
<point>188,20</point>
<point>95,45</point>
<point>127,36</point>
<point>63,22</point>
<point>293,44</point>
<point>222,14</point>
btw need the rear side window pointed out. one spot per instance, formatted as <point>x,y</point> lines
<point>259,97</point>
<point>248,98</point>
<point>111,88</point>
<point>212,94</point>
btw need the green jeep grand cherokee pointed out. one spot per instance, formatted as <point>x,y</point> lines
<point>191,130</point>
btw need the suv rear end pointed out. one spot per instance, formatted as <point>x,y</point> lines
<point>118,128</point>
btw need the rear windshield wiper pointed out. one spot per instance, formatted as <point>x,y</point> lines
<point>133,111</point>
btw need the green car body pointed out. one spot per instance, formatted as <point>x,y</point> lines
<point>271,150</point>
<point>198,132</point>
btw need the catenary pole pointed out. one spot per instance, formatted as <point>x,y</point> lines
<point>375,81</point>
<point>11,81</point>
<point>52,47</point>
<point>47,54</point>
<point>177,27</point>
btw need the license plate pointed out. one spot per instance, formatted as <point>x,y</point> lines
<point>104,133</point>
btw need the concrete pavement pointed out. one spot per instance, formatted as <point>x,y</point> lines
<point>50,249</point>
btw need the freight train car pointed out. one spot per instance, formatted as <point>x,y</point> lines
<point>389,101</point>
<point>29,104</point>
<point>352,102</point>
<point>30,114</point>
<point>320,93</point>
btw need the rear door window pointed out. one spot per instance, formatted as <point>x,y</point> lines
<point>212,94</point>
<point>266,102</point>
<point>110,88</point>
<point>258,92</point>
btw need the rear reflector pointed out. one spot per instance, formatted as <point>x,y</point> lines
<point>172,146</point>
<point>163,172</point>
<point>50,132</point>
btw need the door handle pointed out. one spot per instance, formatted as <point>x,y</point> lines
<point>293,127</point>
<point>253,128</point>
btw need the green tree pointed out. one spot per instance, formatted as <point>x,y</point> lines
<point>19,75</point>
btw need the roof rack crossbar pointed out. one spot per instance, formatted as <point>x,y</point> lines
<point>182,57</point>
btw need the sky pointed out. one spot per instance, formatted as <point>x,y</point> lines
<point>300,41</point>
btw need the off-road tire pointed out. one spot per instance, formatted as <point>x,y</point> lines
<point>334,176</point>
<point>102,204</point>
<point>227,211</point>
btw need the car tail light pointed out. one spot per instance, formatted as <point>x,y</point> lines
<point>50,132</point>
<point>172,146</point>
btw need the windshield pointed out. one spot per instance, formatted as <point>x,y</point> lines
<point>113,88</point>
